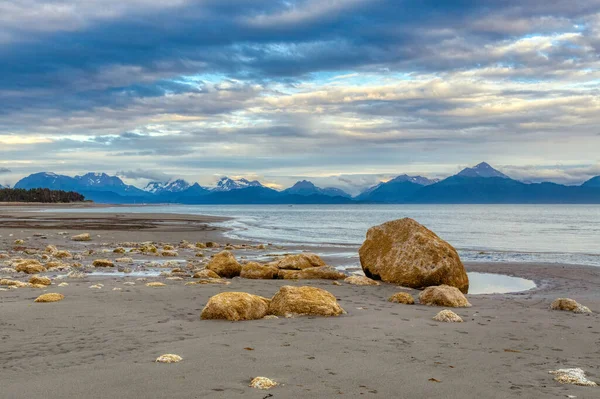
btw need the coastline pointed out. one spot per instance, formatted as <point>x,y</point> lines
<point>101,343</point>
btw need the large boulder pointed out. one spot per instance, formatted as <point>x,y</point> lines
<point>406,253</point>
<point>254,270</point>
<point>299,301</point>
<point>443,295</point>
<point>299,262</point>
<point>235,306</point>
<point>225,265</point>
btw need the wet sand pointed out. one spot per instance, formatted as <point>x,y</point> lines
<point>102,343</point>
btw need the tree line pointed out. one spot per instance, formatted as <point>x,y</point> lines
<point>39,195</point>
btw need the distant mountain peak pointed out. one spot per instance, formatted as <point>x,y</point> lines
<point>593,182</point>
<point>423,181</point>
<point>171,186</point>
<point>482,169</point>
<point>228,184</point>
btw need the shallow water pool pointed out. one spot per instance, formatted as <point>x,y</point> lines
<point>491,283</point>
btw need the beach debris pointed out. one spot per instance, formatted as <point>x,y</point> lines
<point>300,301</point>
<point>141,279</point>
<point>124,260</point>
<point>82,237</point>
<point>270,317</point>
<point>301,261</point>
<point>39,280</point>
<point>406,253</point>
<point>448,316</point>
<point>156,284</point>
<point>168,358</point>
<point>97,286</point>
<point>175,278</point>
<point>225,265</point>
<point>205,273</point>
<point>128,283</point>
<point>570,305</point>
<point>29,266</point>
<point>117,289</point>
<point>254,270</point>
<point>103,263</point>
<point>76,274</point>
<point>262,383</point>
<point>312,273</point>
<point>63,284</point>
<point>235,306</point>
<point>360,280</point>
<point>19,242</point>
<point>402,297</point>
<point>575,376</point>
<point>443,295</point>
<point>50,297</point>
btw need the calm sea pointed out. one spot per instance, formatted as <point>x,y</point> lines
<point>497,233</point>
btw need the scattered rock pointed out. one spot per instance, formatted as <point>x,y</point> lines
<point>29,266</point>
<point>447,316</point>
<point>200,245</point>
<point>574,376</point>
<point>235,306</point>
<point>262,383</point>
<point>119,250</point>
<point>19,242</point>
<point>50,297</point>
<point>172,254</point>
<point>155,284</point>
<point>225,265</point>
<point>299,301</point>
<point>82,237</point>
<point>124,260</point>
<point>97,286</point>
<point>39,280</point>
<point>205,273</point>
<point>168,247</point>
<point>402,297</point>
<point>336,283</point>
<point>63,284</point>
<point>129,283</point>
<point>312,273</point>
<point>62,254</point>
<point>209,281</point>
<point>211,244</point>
<point>103,263</point>
<point>569,305</point>
<point>360,280</point>
<point>168,358</point>
<point>443,295</point>
<point>76,274</point>
<point>299,262</point>
<point>13,283</point>
<point>254,270</point>
<point>406,253</point>
<point>148,248</point>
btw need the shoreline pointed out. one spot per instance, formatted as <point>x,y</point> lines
<point>505,347</point>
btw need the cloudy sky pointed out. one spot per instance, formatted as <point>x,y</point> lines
<point>344,92</point>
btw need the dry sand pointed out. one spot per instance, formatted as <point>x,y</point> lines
<point>103,343</point>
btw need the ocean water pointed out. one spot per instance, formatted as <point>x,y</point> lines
<point>567,234</point>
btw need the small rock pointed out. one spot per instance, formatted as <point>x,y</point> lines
<point>570,305</point>
<point>82,237</point>
<point>155,284</point>
<point>447,316</point>
<point>575,376</point>
<point>262,383</point>
<point>402,297</point>
<point>168,358</point>
<point>360,280</point>
<point>50,297</point>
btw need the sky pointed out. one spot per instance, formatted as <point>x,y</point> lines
<point>341,92</point>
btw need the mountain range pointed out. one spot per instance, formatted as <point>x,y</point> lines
<point>479,184</point>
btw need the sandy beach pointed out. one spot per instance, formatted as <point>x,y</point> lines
<point>102,343</point>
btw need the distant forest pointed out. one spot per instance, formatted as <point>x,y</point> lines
<point>39,195</point>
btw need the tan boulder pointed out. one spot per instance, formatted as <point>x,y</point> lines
<point>119,250</point>
<point>103,263</point>
<point>205,273</point>
<point>29,266</point>
<point>312,273</point>
<point>50,297</point>
<point>82,237</point>
<point>12,283</point>
<point>569,305</point>
<point>172,254</point>
<point>50,249</point>
<point>39,280</point>
<point>225,265</point>
<point>406,253</point>
<point>402,297</point>
<point>298,301</point>
<point>443,295</point>
<point>235,306</point>
<point>62,254</point>
<point>360,280</point>
<point>254,270</point>
<point>301,261</point>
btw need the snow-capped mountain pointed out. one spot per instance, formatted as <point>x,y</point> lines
<point>227,184</point>
<point>482,170</point>
<point>173,186</point>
